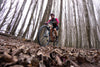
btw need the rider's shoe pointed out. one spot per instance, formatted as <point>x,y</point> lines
<point>51,40</point>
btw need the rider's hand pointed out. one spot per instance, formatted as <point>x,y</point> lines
<point>45,23</point>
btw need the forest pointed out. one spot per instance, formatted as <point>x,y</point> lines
<point>78,35</point>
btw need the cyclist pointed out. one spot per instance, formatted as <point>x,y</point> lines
<point>53,24</point>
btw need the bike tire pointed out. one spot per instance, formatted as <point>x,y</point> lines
<point>55,43</point>
<point>40,32</point>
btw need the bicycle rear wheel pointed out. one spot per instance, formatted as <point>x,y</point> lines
<point>43,36</point>
<point>55,43</point>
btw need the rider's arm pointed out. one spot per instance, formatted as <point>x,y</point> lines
<point>57,20</point>
<point>48,21</point>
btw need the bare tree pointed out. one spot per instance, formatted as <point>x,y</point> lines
<point>45,17</point>
<point>60,20</point>
<point>88,23</point>
<point>2,23</point>
<point>75,21</point>
<point>18,18</point>
<point>39,17</point>
<point>93,18</point>
<point>24,34</point>
<point>79,45</point>
<point>1,2</point>
<point>9,25</point>
<point>20,32</point>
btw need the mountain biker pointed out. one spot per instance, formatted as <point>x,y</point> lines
<point>53,24</point>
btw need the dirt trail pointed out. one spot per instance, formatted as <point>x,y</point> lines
<point>15,52</point>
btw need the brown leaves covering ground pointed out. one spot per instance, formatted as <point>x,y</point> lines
<point>16,52</point>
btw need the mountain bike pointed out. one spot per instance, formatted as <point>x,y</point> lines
<point>43,36</point>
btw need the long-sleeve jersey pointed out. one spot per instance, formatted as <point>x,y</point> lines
<point>55,19</point>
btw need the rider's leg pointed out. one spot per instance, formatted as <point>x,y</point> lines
<point>51,30</point>
<point>56,32</point>
<point>51,35</point>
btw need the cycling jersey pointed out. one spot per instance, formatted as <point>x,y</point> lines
<point>53,20</point>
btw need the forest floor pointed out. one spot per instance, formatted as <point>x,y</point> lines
<point>15,52</point>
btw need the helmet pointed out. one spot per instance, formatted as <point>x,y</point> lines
<point>52,14</point>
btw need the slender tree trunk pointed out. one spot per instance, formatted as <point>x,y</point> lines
<point>79,45</point>
<point>75,21</point>
<point>9,25</point>
<point>66,27</point>
<point>60,20</point>
<point>24,34</point>
<point>39,17</point>
<point>45,17</point>
<point>2,10</point>
<point>20,32</point>
<point>93,17</point>
<point>69,21</point>
<point>1,1</point>
<point>2,23</point>
<point>88,23</point>
<point>18,18</point>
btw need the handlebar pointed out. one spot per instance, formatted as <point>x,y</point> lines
<point>46,23</point>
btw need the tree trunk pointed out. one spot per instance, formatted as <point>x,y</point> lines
<point>2,23</point>
<point>9,25</point>
<point>18,18</point>
<point>88,28</point>
<point>45,17</point>
<point>20,32</point>
<point>24,34</point>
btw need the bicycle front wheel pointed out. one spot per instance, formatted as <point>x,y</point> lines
<point>43,36</point>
